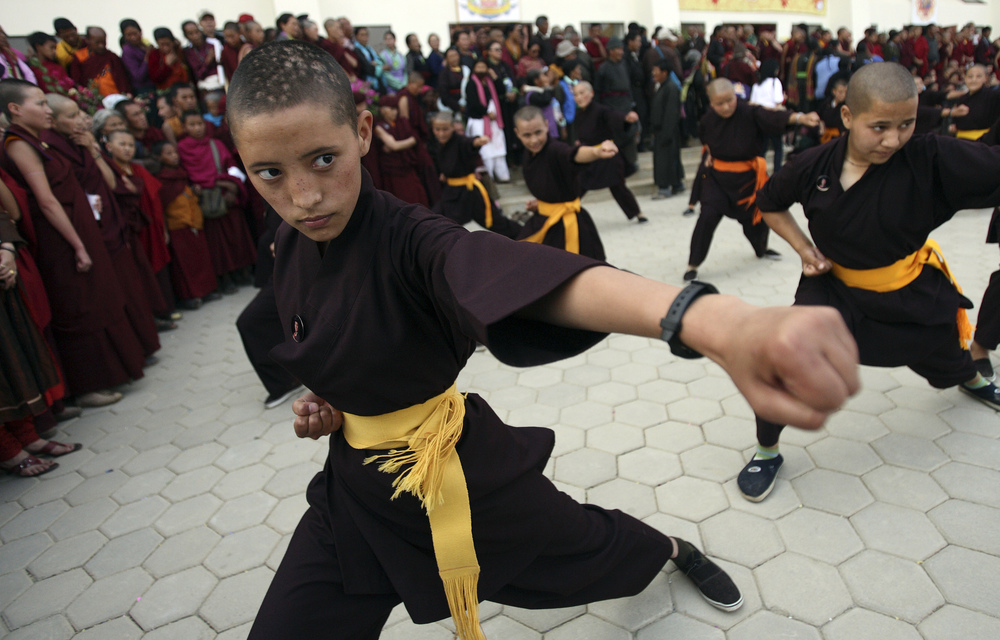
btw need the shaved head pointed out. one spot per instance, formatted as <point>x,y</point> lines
<point>879,81</point>
<point>528,113</point>
<point>58,103</point>
<point>443,116</point>
<point>583,84</point>
<point>719,85</point>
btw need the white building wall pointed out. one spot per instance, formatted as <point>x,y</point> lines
<point>19,18</point>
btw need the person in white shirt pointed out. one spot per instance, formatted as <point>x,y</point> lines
<point>769,93</point>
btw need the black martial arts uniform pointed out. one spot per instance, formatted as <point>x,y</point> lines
<point>552,175</point>
<point>459,158</point>
<point>665,122</point>
<point>385,319</point>
<point>884,217</point>
<point>984,110</point>
<point>988,323</point>
<point>738,138</point>
<point>594,125</point>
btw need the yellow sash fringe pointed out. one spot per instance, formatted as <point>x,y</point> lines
<point>556,211</point>
<point>470,182</point>
<point>422,439</point>
<point>829,134</point>
<point>759,166</point>
<point>901,273</point>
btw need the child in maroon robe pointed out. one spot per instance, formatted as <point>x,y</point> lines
<point>191,264</point>
<point>397,144</point>
<point>137,193</point>
<point>229,240</point>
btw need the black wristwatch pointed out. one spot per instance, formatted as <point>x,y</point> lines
<point>671,323</point>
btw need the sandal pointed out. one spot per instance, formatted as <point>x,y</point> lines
<point>51,445</point>
<point>27,467</point>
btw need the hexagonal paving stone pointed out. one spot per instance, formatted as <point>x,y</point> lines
<point>965,447</point>
<point>975,421</point>
<point>561,395</point>
<point>587,375</point>
<point>904,487</point>
<point>691,498</point>
<point>675,437</point>
<point>543,620</point>
<point>649,466</point>
<point>731,432</point>
<point>803,588</point>
<point>108,598</point>
<point>910,452</point>
<point>891,585</point>
<point>512,397</point>
<point>856,426</point>
<point>33,520</point>
<point>967,578</point>
<point>741,538</point>
<point>926,401</point>
<point>538,377</point>
<point>662,391</point>
<point>634,373</point>
<point>182,551</point>
<point>637,611</point>
<point>870,402</point>
<point>609,358</point>
<point>711,388</point>
<point>174,597</point>
<point>51,628</point>
<point>193,483</point>
<point>584,415</point>
<point>768,625</point>
<point>46,596</point>
<point>134,516</point>
<point>124,552</point>
<point>117,629</point>
<point>241,551</point>
<point>951,622</point>
<point>823,536</point>
<point>611,393</point>
<point>897,530</point>
<point>680,626</point>
<point>969,482</point>
<point>694,410</point>
<point>831,491</point>
<point>846,456</point>
<point>143,486</point>
<point>682,371</point>
<point>588,627</point>
<point>243,481</point>
<point>533,415</point>
<point>235,600</point>
<point>676,528</point>
<point>585,468</point>
<point>243,455</point>
<point>859,623</point>
<point>633,498</point>
<point>186,629</point>
<point>567,439</point>
<point>67,554</point>
<point>18,554</point>
<point>641,413</point>
<point>969,525</point>
<point>190,513</point>
<point>615,438</point>
<point>710,462</point>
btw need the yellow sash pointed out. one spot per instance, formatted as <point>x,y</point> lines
<point>829,134</point>
<point>971,134</point>
<point>422,439</point>
<point>759,166</point>
<point>469,182</point>
<point>901,273</point>
<point>556,211</point>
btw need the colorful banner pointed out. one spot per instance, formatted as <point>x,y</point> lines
<point>924,11</point>
<point>817,7</point>
<point>489,11</point>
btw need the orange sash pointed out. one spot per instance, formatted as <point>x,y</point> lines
<point>759,166</point>
<point>829,134</point>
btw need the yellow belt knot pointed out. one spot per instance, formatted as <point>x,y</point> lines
<point>901,273</point>
<point>470,182</point>
<point>971,134</point>
<point>554,212</point>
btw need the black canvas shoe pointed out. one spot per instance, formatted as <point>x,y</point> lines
<point>985,368</point>
<point>690,275</point>
<point>714,584</point>
<point>757,478</point>
<point>771,254</point>
<point>689,211</point>
<point>988,395</point>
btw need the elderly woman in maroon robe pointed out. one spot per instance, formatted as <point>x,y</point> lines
<point>98,346</point>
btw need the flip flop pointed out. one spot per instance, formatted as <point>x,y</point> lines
<point>51,445</point>
<point>22,467</point>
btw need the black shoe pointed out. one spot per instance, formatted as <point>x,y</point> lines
<point>690,275</point>
<point>190,304</point>
<point>988,395</point>
<point>757,478</point>
<point>689,211</point>
<point>641,219</point>
<point>715,584</point>
<point>212,297</point>
<point>771,254</point>
<point>985,368</point>
<point>275,400</point>
<point>679,188</point>
<point>228,287</point>
<point>164,324</point>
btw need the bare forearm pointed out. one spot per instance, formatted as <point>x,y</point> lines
<point>106,172</point>
<point>783,224</point>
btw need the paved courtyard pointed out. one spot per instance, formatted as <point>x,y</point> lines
<point>884,525</point>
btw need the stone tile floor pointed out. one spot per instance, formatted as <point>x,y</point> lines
<point>170,522</point>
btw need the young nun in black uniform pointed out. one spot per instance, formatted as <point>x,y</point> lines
<point>983,102</point>
<point>872,198</point>
<point>734,132</point>
<point>987,335</point>
<point>464,196</point>
<point>594,123</point>
<point>552,174</point>
<point>382,304</point>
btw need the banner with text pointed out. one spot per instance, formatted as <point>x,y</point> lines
<point>817,7</point>
<point>489,11</point>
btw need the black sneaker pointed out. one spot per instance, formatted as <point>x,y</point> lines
<point>757,478</point>
<point>771,254</point>
<point>714,584</point>
<point>689,211</point>
<point>275,400</point>
<point>988,395</point>
<point>985,368</point>
<point>690,275</point>
<point>641,219</point>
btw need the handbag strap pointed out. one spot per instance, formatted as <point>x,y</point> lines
<point>215,156</point>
